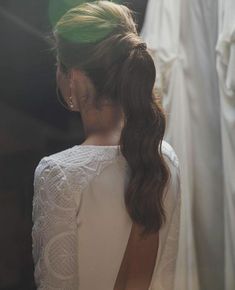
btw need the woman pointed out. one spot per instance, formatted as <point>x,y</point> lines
<point>106,212</point>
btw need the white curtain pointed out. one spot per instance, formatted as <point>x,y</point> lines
<point>182,35</point>
<point>226,71</point>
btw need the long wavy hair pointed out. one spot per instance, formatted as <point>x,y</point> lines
<point>100,38</point>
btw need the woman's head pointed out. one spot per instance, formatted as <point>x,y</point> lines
<point>97,44</point>
<point>96,39</point>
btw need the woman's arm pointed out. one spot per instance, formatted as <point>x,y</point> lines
<point>54,232</point>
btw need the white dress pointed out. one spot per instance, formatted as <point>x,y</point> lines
<point>182,35</point>
<point>80,224</point>
<point>225,49</point>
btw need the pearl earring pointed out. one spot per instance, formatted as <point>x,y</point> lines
<point>71,102</point>
<point>70,98</point>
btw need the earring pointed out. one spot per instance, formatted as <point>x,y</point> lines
<point>71,102</point>
<point>70,97</point>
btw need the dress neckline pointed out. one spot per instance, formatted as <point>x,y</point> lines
<point>98,146</point>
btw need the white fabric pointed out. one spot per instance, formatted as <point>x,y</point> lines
<point>80,223</point>
<point>226,71</point>
<point>182,35</point>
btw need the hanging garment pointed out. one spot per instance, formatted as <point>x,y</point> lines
<point>225,49</point>
<point>182,35</point>
<point>81,225</point>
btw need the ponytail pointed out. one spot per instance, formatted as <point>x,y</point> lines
<point>122,70</point>
<point>141,139</point>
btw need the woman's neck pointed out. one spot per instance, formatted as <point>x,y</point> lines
<point>102,127</point>
<point>110,139</point>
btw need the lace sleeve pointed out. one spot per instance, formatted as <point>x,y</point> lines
<point>54,232</point>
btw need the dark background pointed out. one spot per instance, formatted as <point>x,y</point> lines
<point>33,124</point>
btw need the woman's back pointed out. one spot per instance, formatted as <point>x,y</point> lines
<point>87,197</point>
<point>81,225</point>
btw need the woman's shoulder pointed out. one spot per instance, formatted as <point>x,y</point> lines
<point>83,155</point>
<point>63,159</point>
<point>78,164</point>
<point>68,156</point>
<point>50,167</point>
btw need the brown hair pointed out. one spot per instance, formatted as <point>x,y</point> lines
<point>100,38</point>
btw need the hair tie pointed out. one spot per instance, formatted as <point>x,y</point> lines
<point>141,46</point>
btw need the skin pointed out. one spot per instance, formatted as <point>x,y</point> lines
<point>103,127</point>
<point>136,270</point>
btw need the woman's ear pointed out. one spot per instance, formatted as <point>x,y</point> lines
<point>62,83</point>
<point>74,89</point>
<point>82,88</point>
